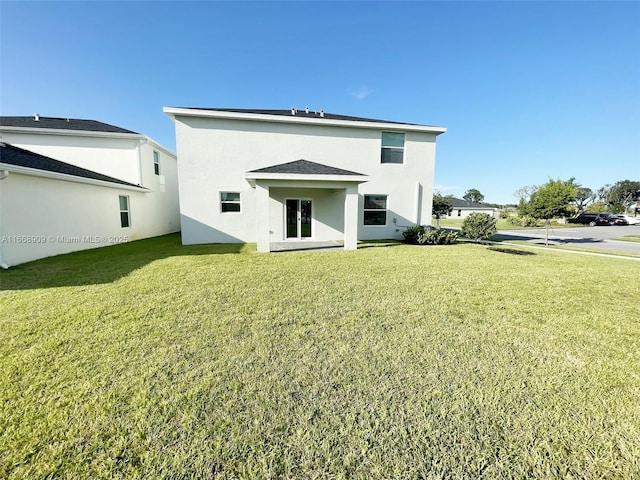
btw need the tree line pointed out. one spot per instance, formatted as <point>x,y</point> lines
<point>562,198</point>
<point>558,198</point>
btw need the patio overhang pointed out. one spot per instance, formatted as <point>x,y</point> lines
<point>305,171</point>
<point>305,174</point>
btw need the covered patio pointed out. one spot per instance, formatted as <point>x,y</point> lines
<point>304,202</point>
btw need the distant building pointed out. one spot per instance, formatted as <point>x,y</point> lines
<point>464,208</point>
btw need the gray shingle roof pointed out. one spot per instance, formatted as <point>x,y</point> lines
<point>61,124</point>
<point>460,203</point>
<point>302,114</point>
<point>12,155</point>
<point>305,167</point>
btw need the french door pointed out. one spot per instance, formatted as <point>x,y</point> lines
<point>298,218</point>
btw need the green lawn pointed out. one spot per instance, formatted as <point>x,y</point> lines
<point>629,238</point>
<point>153,360</point>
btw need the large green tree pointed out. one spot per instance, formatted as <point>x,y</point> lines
<point>584,197</point>
<point>621,195</point>
<point>441,207</point>
<point>473,195</point>
<point>551,200</point>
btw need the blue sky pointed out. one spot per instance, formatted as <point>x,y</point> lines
<point>528,90</point>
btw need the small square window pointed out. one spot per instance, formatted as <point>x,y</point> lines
<point>375,210</point>
<point>229,202</point>
<point>392,147</point>
<point>125,215</point>
<point>156,163</point>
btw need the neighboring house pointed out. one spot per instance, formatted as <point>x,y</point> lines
<point>269,176</point>
<point>70,185</point>
<point>463,208</point>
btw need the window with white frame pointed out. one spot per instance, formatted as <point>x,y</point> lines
<point>375,210</point>
<point>392,147</point>
<point>156,163</point>
<point>229,202</point>
<point>125,214</point>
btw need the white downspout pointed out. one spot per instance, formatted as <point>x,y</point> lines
<point>3,174</point>
<point>142,142</point>
<point>418,203</point>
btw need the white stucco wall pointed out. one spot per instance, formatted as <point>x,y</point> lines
<point>465,212</point>
<point>160,207</point>
<point>214,155</point>
<point>123,156</point>
<point>42,217</point>
<point>114,156</point>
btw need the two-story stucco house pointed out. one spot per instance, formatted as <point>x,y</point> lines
<point>269,176</point>
<point>68,184</point>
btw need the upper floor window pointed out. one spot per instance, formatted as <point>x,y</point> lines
<point>229,202</point>
<point>125,216</point>
<point>392,147</point>
<point>375,210</point>
<point>156,163</point>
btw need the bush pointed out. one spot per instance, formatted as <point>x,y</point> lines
<point>411,234</point>
<point>421,235</point>
<point>478,226</point>
<point>531,222</point>
<point>525,221</point>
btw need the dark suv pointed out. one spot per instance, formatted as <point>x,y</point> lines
<point>592,219</point>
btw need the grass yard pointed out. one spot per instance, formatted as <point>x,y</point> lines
<point>153,360</point>
<point>629,238</point>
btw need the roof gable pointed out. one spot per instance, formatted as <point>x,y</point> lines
<point>54,123</point>
<point>305,167</point>
<point>19,157</point>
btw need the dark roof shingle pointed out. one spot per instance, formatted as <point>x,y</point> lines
<point>62,124</point>
<point>460,203</point>
<point>305,167</point>
<point>304,114</point>
<point>12,155</point>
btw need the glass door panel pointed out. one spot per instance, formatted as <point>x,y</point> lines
<point>292,218</point>
<point>298,218</point>
<point>305,218</point>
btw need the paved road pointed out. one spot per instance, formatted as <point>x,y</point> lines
<point>596,238</point>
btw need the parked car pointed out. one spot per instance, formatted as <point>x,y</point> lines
<point>593,219</point>
<point>618,220</point>
<point>630,219</point>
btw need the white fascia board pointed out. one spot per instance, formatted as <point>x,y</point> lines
<point>157,146</point>
<point>68,178</point>
<point>72,133</point>
<point>261,117</point>
<point>307,177</point>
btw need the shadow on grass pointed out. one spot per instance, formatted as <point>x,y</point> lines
<point>511,251</point>
<point>106,264</point>
<point>379,243</point>
<point>501,237</point>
